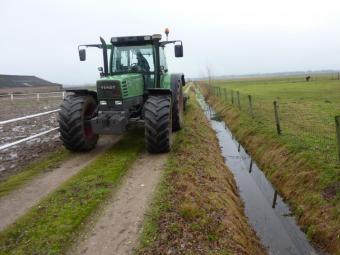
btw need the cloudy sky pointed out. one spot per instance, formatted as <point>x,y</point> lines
<point>40,37</point>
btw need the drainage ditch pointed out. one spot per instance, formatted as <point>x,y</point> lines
<point>265,209</point>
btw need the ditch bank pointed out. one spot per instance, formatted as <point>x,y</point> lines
<point>292,176</point>
<point>196,208</point>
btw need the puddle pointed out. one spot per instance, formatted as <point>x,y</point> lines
<point>275,227</point>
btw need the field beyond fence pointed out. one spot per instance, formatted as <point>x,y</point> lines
<point>303,114</point>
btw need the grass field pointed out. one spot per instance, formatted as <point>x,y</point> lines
<point>303,161</point>
<point>306,112</point>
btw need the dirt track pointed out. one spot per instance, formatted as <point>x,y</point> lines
<point>117,229</point>
<point>20,201</point>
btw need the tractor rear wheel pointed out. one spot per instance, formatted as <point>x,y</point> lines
<point>178,107</point>
<point>158,123</point>
<point>75,129</point>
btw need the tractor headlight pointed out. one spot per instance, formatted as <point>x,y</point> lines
<point>102,102</point>
<point>118,102</point>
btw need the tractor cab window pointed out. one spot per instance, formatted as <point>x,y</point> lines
<point>162,59</point>
<point>132,59</point>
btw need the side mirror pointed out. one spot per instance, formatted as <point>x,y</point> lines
<point>82,55</point>
<point>179,51</point>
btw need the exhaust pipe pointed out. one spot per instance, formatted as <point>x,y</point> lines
<point>104,46</point>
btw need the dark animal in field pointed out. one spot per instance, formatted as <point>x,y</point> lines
<point>308,78</point>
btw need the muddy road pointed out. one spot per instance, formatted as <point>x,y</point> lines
<point>14,158</point>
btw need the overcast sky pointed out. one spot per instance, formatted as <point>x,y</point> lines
<point>40,37</point>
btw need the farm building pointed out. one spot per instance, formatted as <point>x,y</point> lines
<point>26,84</point>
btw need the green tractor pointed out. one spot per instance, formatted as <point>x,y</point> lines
<point>134,85</point>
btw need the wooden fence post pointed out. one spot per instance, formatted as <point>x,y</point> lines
<point>337,128</point>
<point>38,97</point>
<point>232,97</point>
<point>274,199</point>
<point>250,106</point>
<point>251,165</point>
<point>277,119</point>
<point>12,97</point>
<point>238,100</point>
<point>225,94</point>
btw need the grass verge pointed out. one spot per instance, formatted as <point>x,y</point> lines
<point>196,209</point>
<point>300,180</point>
<point>42,165</point>
<point>50,226</point>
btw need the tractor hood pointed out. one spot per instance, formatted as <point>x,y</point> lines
<point>120,86</point>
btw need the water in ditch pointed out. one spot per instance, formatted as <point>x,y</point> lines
<point>276,227</point>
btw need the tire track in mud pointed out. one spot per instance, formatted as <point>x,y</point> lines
<point>118,226</point>
<point>18,202</point>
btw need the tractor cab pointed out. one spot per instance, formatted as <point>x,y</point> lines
<point>134,59</point>
<point>143,55</point>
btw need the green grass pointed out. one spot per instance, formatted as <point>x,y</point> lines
<point>50,226</point>
<point>42,165</point>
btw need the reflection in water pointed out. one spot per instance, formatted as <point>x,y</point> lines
<point>275,227</point>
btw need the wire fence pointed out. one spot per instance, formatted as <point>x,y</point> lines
<point>313,133</point>
<point>35,96</point>
<point>18,105</point>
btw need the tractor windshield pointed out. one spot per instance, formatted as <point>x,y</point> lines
<point>127,59</point>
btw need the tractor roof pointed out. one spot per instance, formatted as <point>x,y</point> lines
<point>140,39</point>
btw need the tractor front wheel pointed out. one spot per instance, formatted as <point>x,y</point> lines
<point>158,123</point>
<point>74,123</point>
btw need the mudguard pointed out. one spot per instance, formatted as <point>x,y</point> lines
<point>175,78</point>
<point>159,91</point>
<point>84,92</point>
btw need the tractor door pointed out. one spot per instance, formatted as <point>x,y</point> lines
<point>149,78</point>
<point>163,65</point>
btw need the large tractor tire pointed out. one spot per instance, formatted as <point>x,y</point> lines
<point>75,129</point>
<point>178,106</point>
<point>158,123</point>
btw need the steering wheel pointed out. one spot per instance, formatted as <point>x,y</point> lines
<point>135,67</point>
